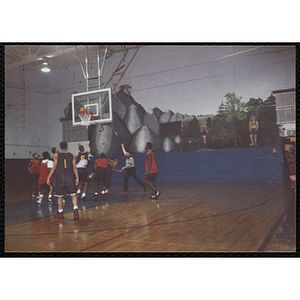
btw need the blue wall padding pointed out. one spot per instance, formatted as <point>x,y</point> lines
<point>247,164</point>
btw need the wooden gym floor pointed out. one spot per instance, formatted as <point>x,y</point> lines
<point>187,218</point>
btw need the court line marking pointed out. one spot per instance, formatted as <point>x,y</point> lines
<point>149,224</point>
<point>271,233</point>
<point>221,214</point>
<point>140,227</point>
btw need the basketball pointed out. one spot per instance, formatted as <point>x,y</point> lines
<point>82,110</point>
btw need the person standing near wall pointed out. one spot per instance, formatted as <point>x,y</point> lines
<point>65,179</point>
<point>253,128</point>
<point>151,171</point>
<point>34,169</point>
<point>130,171</point>
<point>45,168</point>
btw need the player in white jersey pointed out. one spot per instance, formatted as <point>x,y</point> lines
<point>82,160</point>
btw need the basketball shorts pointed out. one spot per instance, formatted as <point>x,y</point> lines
<point>60,190</point>
<point>83,174</point>
<point>203,132</point>
<point>253,131</point>
<point>100,173</point>
<point>43,180</point>
<point>151,177</point>
<point>34,178</point>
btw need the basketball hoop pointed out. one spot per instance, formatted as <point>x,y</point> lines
<point>85,119</point>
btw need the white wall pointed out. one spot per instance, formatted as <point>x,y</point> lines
<point>25,124</point>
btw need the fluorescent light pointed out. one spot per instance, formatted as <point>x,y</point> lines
<point>45,68</point>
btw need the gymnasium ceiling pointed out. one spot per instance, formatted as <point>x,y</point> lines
<point>58,56</point>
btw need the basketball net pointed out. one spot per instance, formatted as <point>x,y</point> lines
<point>85,119</point>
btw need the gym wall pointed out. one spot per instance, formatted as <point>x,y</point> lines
<point>249,164</point>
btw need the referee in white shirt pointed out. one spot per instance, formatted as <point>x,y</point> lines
<point>130,171</point>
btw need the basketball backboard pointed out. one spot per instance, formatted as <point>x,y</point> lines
<point>96,102</point>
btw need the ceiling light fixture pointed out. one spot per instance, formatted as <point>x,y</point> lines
<point>45,68</point>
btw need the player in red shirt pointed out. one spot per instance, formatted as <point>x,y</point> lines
<point>45,168</point>
<point>99,174</point>
<point>34,169</point>
<point>151,171</point>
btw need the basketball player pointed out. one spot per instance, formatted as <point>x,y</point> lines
<point>112,164</point>
<point>253,127</point>
<point>34,169</point>
<point>46,166</point>
<point>130,171</point>
<point>54,150</point>
<point>65,178</point>
<point>99,174</point>
<point>82,160</point>
<point>151,171</point>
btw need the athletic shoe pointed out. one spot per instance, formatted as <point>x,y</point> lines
<point>95,197</point>
<point>59,215</point>
<point>76,214</point>
<point>84,198</point>
<point>104,192</point>
<point>158,194</point>
<point>39,200</point>
<point>152,196</point>
<point>33,196</point>
<point>50,199</point>
<point>251,145</point>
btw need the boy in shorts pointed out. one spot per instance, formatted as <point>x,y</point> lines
<point>151,171</point>
<point>82,160</point>
<point>46,166</point>
<point>34,169</point>
<point>65,179</point>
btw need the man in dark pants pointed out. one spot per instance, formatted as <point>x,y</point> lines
<point>99,174</point>
<point>130,171</point>
<point>112,164</point>
<point>65,179</point>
